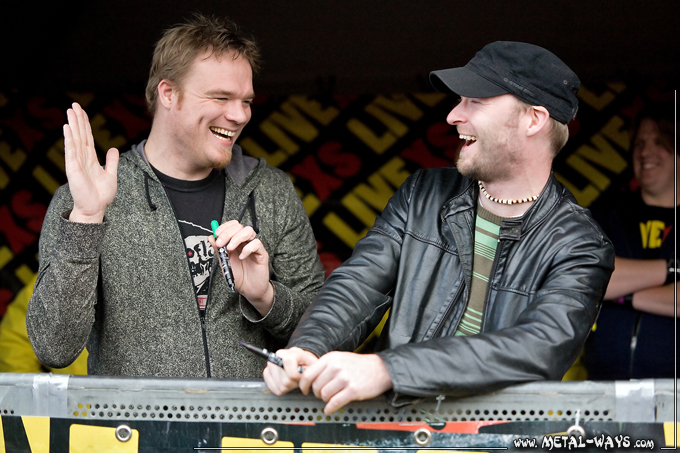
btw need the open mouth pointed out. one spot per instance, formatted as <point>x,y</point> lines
<point>222,134</point>
<point>469,139</point>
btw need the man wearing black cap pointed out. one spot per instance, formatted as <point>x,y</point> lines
<point>492,272</point>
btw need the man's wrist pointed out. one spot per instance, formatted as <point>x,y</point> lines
<point>264,303</point>
<point>77,216</point>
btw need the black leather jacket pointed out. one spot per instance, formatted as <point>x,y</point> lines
<point>550,273</point>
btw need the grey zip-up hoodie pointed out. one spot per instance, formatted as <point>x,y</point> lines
<point>123,288</point>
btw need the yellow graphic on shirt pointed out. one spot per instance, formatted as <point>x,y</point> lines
<point>652,234</point>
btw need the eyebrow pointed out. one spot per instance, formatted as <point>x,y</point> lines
<point>227,93</point>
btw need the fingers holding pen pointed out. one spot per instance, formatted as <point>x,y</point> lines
<point>249,262</point>
<point>240,239</point>
<point>277,380</point>
<point>225,232</point>
<point>282,380</point>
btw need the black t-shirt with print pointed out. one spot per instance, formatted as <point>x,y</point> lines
<point>626,343</point>
<point>196,205</point>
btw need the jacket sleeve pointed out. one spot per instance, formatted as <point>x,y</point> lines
<point>358,293</point>
<point>61,311</point>
<point>295,269</point>
<point>541,344</point>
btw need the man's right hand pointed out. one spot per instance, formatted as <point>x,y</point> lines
<point>93,187</point>
<point>283,380</point>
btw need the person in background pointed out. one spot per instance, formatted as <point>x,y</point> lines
<point>16,353</point>
<point>634,337</point>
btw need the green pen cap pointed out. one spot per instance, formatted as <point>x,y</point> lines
<point>214,224</point>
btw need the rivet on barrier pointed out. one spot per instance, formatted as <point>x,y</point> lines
<point>422,437</point>
<point>269,436</point>
<point>123,433</point>
<point>576,430</point>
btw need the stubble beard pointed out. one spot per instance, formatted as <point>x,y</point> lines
<point>489,163</point>
<point>225,159</point>
<point>495,157</point>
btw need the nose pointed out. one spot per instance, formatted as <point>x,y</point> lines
<point>237,112</point>
<point>646,149</point>
<point>455,115</point>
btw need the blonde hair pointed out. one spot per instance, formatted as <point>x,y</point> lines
<point>180,45</point>
<point>558,133</point>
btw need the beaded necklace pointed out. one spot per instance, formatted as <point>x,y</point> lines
<point>496,200</point>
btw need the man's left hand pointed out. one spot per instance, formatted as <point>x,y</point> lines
<point>340,377</point>
<point>249,263</point>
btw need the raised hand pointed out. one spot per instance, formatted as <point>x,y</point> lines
<point>93,187</point>
<point>249,263</point>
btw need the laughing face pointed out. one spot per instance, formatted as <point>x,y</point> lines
<point>213,108</point>
<point>652,160</point>
<point>489,127</point>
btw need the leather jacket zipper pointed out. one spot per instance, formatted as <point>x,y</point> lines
<point>486,300</point>
<point>494,265</point>
<point>449,309</point>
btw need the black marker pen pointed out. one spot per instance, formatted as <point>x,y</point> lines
<point>270,356</point>
<point>224,259</point>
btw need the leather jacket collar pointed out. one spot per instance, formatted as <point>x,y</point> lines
<point>512,228</point>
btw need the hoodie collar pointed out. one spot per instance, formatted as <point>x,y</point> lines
<point>238,169</point>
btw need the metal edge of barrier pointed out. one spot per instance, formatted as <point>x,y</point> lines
<point>61,396</point>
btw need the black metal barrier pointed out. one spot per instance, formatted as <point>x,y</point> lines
<point>45,413</point>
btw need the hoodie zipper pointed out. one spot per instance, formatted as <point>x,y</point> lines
<point>205,342</point>
<point>204,332</point>
<point>201,313</point>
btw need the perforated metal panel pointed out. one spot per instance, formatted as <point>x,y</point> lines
<point>103,398</point>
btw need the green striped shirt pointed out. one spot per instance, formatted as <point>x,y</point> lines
<point>487,227</point>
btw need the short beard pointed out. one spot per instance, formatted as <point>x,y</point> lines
<point>472,173</point>
<point>498,153</point>
<point>226,160</point>
<point>489,165</point>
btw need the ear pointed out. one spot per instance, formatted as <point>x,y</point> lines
<point>167,93</point>
<point>539,117</point>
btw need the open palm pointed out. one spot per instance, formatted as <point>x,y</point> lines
<point>93,187</point>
